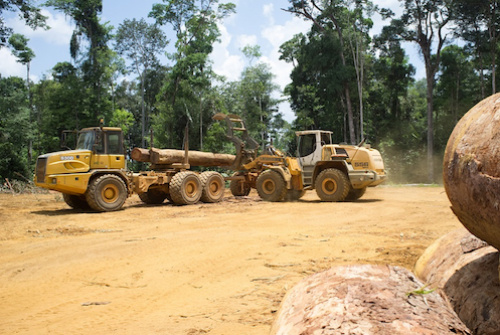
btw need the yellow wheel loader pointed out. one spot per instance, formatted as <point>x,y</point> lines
<point>337,172</point>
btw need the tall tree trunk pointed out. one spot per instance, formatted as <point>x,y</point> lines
<point>493,44</point>
<point>143,113</point>
<point>481,74</point>
<point>30,101</point>
<point>430,71</point>
<point>350,114</point>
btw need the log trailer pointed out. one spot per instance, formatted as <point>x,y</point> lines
<point>337,172</point>
<point>94,175</point>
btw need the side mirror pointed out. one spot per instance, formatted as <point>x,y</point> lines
<point>67,136</point>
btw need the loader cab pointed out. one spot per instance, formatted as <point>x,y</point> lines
<point>310,144</point>
<point>310,149</point>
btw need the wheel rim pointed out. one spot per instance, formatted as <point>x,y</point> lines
<point>191,189</point>
<point>269,187</point>
<point>329,186</point>
<point>215,187</point>
<point>110,193</point>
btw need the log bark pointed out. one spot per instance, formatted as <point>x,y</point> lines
<point>471,170</point>
<point>170,156</point>
<point>364,299</point>
<point>466,270</point>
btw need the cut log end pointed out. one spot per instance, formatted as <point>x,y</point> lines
<point>471,170</point>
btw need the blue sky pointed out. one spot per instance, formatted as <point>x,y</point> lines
<point>257,22</point>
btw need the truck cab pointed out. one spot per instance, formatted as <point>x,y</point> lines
<point>99,153</point>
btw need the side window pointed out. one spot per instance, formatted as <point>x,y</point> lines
<point>326,138</point>
<point>307,144</point>
<point>99,143</point>
<point>114,143</point>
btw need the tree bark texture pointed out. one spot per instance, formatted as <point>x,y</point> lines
<point>364,299</point>
<point>471,170</point>
<point>465,268</point>
<point>170,156</point>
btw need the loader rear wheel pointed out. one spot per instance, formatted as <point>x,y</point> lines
<point>76,201</point>
<point>355,194</point>
<point>153,197</point>
<point>271,186</point>
<point>106,193</point>
<point>239,188</point>
<point>185,188</point>
<point>332,185</point>
<point>212,186</point>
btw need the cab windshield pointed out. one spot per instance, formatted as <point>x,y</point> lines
<point>86,140</point>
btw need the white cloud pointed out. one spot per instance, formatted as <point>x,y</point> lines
<point>267,11</point>
<point>225,64</point>
<point>9,66</point>
<point>59,33</point>
<point>276,35</point>
<point>244,40</point>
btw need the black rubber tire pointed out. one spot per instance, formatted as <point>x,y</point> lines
<point>185,188</point>
<point>332,185</point>
<point>106,193</point>
<point>355,194</point>
<point>294,195</point>
<point>213,186</point>
<point>271,186</point>
<point>153,196</point>
<point>238,188</point>
<point>76,201</point>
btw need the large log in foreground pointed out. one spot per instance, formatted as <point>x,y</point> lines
<point>465,268</point>
<point>364,299</point>
<point>471,170</point>
<point>170,156</point>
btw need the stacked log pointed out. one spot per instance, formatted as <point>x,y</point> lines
<point>465,269</point>
<point>171,156</point>
<point>471,170</point>
<point>365,299</point>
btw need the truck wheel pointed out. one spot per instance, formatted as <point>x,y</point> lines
<point>355,194</point>
<point>185,188</point>
<point>153,197</point>
<point>212,186</point>
<point>76,201</point>
<point>332,185</point>
<point>271,186</point>
<point>106,193</point>
<point>238,188</point>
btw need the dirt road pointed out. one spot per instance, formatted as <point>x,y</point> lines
<point>208,268</point>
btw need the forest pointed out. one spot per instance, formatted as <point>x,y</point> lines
<point>343,79</point>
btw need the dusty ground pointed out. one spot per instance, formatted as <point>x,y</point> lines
<point>208,268</point>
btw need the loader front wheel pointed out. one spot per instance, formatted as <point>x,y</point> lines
<point>271,186</point>
<point>355,194</point>
<point>153,197</point>
<point>332,185</point>
<point>106,193</point>
<point>212,186</point>
<point>185,188</point>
